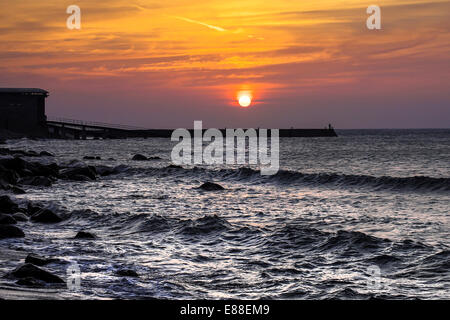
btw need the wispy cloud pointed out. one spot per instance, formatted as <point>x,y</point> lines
<point>210,26</point>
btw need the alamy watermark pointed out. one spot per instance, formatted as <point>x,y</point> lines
<point>251,146</point>
<point>374,20</point>
<point>73,277</point>
<point>74,20</point>
<point>372,277</point>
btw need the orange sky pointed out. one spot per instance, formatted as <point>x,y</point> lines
<point>167,63</point>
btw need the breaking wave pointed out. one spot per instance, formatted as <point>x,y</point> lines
<point>416,183</point>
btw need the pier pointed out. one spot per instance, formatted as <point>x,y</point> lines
<point>22,111</point>
<point>76,129</point>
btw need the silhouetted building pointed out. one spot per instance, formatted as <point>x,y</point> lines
<point>23,110</point>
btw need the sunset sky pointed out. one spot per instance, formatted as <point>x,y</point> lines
<point>164,64</point>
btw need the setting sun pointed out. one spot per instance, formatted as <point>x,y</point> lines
<point>244,99</point>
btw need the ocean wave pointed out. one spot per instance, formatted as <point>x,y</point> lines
<point>204,225</point>
<point>143,223</point>
<point>416,183</point>
<point>341,242</point>
<point>354,240</point>
<point>438,262</point>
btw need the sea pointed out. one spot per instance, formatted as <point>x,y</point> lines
<point>361,216</point>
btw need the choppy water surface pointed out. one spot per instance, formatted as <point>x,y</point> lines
<point>338,208</point>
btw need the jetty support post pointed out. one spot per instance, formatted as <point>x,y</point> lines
<point>83,133</point>
<point>62,132</point>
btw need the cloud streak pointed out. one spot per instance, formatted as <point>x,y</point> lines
<point>210,26</point>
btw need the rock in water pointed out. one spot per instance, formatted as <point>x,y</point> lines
<point>211,186</point>
<point>104,170</point>
<point>92,158</point>
<point>46,216</point>
<point>9,231</point>
<point>7,205</point>
<point>30,282</point>
<point>139,157</point>
<point>76,173</point>
<point>27,169</point>
<point>45,154</point>
<point>174,166</point>
<point>17,190</point>
<point>127,273</point>
<point>38,260</point>
<point>79,177</point>
<point>85,235</point>
<point>7,219</point>
<point>8,176</point>
<point>36,181</point>
<point>31,153</point>
<point>32,209</point>
<point>19,216</point>
<point>29,270</point>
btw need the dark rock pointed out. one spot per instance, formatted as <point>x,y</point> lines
<point>19,216</point>
<point>74,163</point>
<point>32,153</point>
<point>155,158</point>
<point>7,219</point>
<point>174,166</point>
<point>77,173</point>
<point>92,158</point>
<point>127,273</point>
<point>17,190</point>
<point>49,170</point>
<point>24,168</point>
<point>2,141</point>
<point>15,164</point>
<point>8,176</point>
<point>7,205</point>
<point>30,282</point>
<point>9,231</point>
<point>46,216</point>
<point>36,181</point>
<point>121,168</point>
<point>139,157</point>
<point>38,260</point>
<point>29,270</point>
<point>6,151</point>
<point>80,177</point>
<point>104,170</point>
<point>45,154</point>
<point>211,186</point>
<point>32,209</point>
<point>85,235</point>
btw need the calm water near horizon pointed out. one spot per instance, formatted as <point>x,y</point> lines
<point>338,208</point>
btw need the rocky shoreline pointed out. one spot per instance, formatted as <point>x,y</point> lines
<point>16,174</point>
<point>21,169</point>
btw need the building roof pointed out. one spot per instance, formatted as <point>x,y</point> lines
<point>24,91</point>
